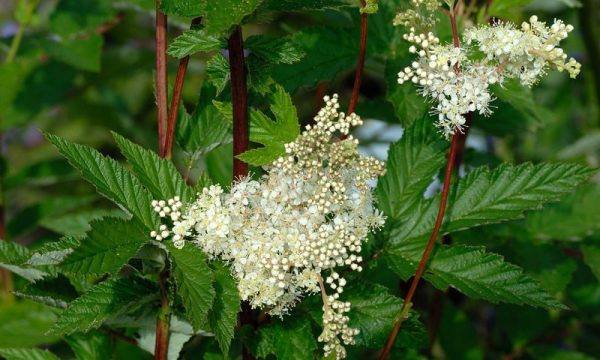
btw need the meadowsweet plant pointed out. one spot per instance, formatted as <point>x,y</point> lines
<point>308,215</point>
<point>457,79</point>
<point>236,211</point>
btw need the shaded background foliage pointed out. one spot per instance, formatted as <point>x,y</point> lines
<point>85,68</point>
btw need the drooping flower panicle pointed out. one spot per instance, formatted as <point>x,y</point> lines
<point>310,213</point>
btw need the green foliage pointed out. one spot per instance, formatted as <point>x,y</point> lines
<point>223,14</point>
<point>24,324</point>
<point>223,315</point>
<point>289,340</point>
<point>27,354</point>
<point>110,179</point>
<point>92,346</point>
<point>56,292</point>
<point>193,41</point>
<point>107,247</point>
<point>109,299</point>
<point>194,283</point>
<point>12,258</point>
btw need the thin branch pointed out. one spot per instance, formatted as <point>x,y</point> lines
<point>161,77</point>
<point>430,243</point>
<point>161,344</point>
<point>176,100</point>
<point>239,96</point>
<point>364,27</point>
<point>458,141</point>
<point>120,336</point>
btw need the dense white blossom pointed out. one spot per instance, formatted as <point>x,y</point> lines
<point>310,213</point>
<point>420,14</point>
<point>458,80</point>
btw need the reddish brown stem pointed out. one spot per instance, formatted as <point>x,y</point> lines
<point>239,96</point>
<point>364,24</point>
<point>458,141</point>
<point>428,248</point>
<point>176,100</point>
<point>161,344</point>
<point>161,77</point>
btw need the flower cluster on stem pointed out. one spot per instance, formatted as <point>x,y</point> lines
<point>310,212</point>
<point>524,53</point>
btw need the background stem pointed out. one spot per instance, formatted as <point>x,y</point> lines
<point>161,344</point>
<point>176,100</point>
<point>161,77</point>
<point>239,96</point>
<point>364,27</point>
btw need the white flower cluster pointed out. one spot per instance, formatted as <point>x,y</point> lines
<point>311,212</point>
<point>335,320</point>
<point>459,82</point>
<point>528,52</point>
<point>420,14</point>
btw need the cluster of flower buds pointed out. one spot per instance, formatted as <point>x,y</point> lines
<point>311,212</point>
<point>458,80</point>
<point>420,14</point>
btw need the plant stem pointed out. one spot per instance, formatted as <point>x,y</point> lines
<point>430,243</point>
<point>161,77</point>
<point>176,100</point>
<point>588,17</point>
<point>15,44</point>
<point>364,27</point>
<point>161,344</point>
<point>458,142</point>
<point>239,96</point>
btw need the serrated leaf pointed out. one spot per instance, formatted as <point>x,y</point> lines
<point>158,175</point>
<point>13,257</point>
<point>112,298</point>
<point>328,52</point>
<point>274,50</point>
<point>194,282</point>
<point>78,223</point>
<point>193,41</point>
<point>272,134</point>
<point>479,275</point>
<point>223,315</point>
<point>185,8</point>
<point>298,5</point>
<point>27,354</point>
<point>490,196</point>
<point>56,292</point>
<point>217,70</point>
<point>374,312</point>
<point>287,340</point>
<point>206,128</point>
<point>53,253</point>
<point>107,247</point>
<point>110,179</point>
<point>91,346</point>
<point>412,163</point>
<point>223,14</point>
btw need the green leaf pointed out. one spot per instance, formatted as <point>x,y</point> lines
<point>82,53</point>
<point>328,52</point>
<point>223,316</point>
<point>457,334</point>
<point>194,282</point>
<point>74,16</point>
<point>217,70</point>
<point>13,257</point>
<point>53,253</point>
<point>575,217</point>
<point>274,50</point>
<point>521,99</point>
<point>27,354</point>
<point>77,224</point>
<point>110,299</point>
<point>374,312</point>
<point>110,179</point>
<point>158,175</point>
<point>287,340</point>
<point>56,292</point>
<point>219,165</point>
<point>193,41</point>
<point>92,346</point>
<point>479,275</point>
<point>272,134</point>
<point>42,173</point>
<point>591,257</point>
<point>490,196</point>
<point>206,128</point>
<point>299,5</point>
<point>185,8</point>
<point>223,14</point>
<point>107,247</point>
<point>24,324</point>
<point>412,163</point>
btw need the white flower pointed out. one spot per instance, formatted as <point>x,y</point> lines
<point>311,212</point>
